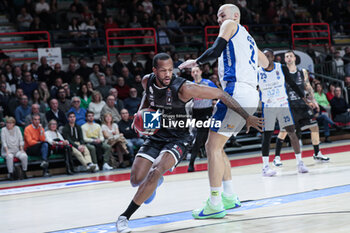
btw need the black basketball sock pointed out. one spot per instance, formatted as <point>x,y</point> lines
<point>279,143</point>
<point>316,149</point>
<point>130,210</point>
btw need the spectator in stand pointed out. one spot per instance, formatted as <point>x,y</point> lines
<point>37,25</point>
<point>100,15</point>
<point>56,114</point>
<point>24,20</point>
<point>110,24</point>
<point>347,87</point>
<point>109,107</point>
<point>35,111</point>
<point>330,93</point>
<point>37,100</point>
<point>346,59</point>
<point>133,102</point>
<point>73,14</point>
<point>118,65</point>
<point>44,70</point>
<point>14,102</point>
<point>54,88</point>
<point>93,136</point>
<point>67,90</point>
<point>103,87</point>
<point>22,111</point>
<point>76,32</point>
<point>12,146</point>
<point>16,78</point>
<point>149,63</point>
<point>103,64</point>
<point>59,145</point>
<point>35,143</point>
<point>114,138</point>
<point>138,85</point>
<point>128,77</point>
<point>42,9</point>
<point>64,104</point>
<point>58,73</point>
<point>27,84</point>
<point>89,86</point>
<point>321,98</point>
<point>123,18</point>
<point>34,71</point>
<point>79,111</point>
<point>76,84</point>
<point>135,22</point>
<point>85,96</point>
<point>44,91</point>
<point>325,121</point>
<point>70,72</point>
<point>122,88</point>
<point>111,79</point>
<point>339,64</point>
<point>72,132</point>
<point>147,6</point>
<point>93,77</point>
<point>79,6</point>
<point>4,98</point>
<point>118,104</point>
<point>96,105</point>
<point>84,70</point>
<point>340,109</point>
<point>86,14</point>
<point>135,67</point>
<point>131,137</point>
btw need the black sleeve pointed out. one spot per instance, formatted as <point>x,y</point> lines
<point>291,82</point>
<point>67,136</point>
<point>213,52</point>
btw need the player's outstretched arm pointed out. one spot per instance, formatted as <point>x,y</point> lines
<point>191,90</point>
<point>227,30</point>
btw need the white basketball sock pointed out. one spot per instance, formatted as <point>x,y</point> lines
<point>265,160</point>
<point>298,158</point>
<point>215,195</point>
<point>228,188</point>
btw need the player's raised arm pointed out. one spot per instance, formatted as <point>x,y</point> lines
<point>192,90</point>
<point>262,60</point>
<point>227,30</point>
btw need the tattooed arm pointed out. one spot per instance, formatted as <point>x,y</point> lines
<point>192,90</point>
<point>310,90</point>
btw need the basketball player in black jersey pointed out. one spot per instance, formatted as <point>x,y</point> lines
<point>163,150</point>
<point>302,113</point>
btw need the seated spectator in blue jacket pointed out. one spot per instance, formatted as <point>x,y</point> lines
<point>56,114</point>
<point>27,84</point>
<point>133,102</point>
<point>79,112</point>
<point>340,109</point>
<point>22,111</point>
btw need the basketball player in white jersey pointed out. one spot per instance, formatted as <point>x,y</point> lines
<point>239,58</point>
<point>275,105</point>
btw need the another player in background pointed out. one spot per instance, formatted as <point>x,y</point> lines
<point>302,113</point>
<point>275,105</point>
<point>163,150</point>
<point>238,62</point>
<point>202,110</point>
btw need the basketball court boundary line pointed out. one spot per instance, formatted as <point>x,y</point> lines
<point>186,215</point>
<point>199,167</point>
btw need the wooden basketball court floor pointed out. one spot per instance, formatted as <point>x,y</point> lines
<point>290,202</point>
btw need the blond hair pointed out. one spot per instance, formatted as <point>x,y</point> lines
<point>10,120</point>
<point>104,117</point>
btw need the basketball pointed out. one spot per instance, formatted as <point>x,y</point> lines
<point>144,122</point>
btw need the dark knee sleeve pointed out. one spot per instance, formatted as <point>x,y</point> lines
<point>266,139</point>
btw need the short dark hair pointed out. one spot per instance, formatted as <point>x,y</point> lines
<point>71,113</point>
<point>268,50</point>
<point>160,56</point>
<point>89,112</point>
<point>290,51</point>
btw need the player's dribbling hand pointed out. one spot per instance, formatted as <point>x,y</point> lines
<point>188,64</point>
<point>255,122</point>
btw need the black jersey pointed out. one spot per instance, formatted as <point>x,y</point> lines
<point>298,78</point>
<point>167,100</point>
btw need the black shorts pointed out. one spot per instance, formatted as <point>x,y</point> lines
<point>151,149</point>
<point>303,115</point>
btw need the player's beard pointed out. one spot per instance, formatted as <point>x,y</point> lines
<point>161,81</point>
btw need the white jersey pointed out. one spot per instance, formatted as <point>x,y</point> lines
<point>239,61</point>
<point>272,86</point>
